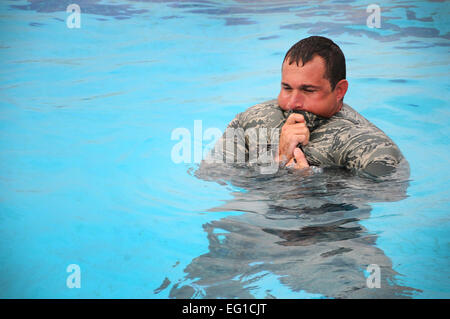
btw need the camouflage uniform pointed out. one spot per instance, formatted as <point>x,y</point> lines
<point>345,140</point>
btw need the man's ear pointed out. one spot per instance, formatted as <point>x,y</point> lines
<point>341,89</point>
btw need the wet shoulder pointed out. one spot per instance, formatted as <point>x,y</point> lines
<point>352,130</point>
<point>345,127</point>
<point>348,116</point>
<point>347,122</point>
<point>266,114</point>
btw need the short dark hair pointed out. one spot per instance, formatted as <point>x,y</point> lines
<point>305,50</point>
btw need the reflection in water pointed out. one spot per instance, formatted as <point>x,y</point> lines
<point>301,227</point>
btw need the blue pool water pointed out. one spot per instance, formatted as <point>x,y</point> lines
<point>87,177</point>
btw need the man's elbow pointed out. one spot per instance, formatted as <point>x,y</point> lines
<point>379,169</point>
<point>382,163</point>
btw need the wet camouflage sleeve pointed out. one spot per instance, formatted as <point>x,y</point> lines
<point>366,149</point>
<point>249,134</point>
<point>231,147</point>
<point>345,140</point>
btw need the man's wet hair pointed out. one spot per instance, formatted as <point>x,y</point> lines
<point>305,50</point>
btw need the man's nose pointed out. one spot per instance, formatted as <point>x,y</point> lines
<point>296,101</point>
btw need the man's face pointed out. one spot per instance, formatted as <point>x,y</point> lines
<point>305,88</point>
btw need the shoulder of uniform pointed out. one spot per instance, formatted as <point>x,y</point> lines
<point>349,114</point>
<point>261,114</point>
<point>348,126</point>
<point>261,107</point>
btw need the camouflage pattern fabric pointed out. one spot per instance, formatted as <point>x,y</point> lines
<point>345,140</point>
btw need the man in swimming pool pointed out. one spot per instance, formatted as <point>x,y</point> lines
<point>314,125</point>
